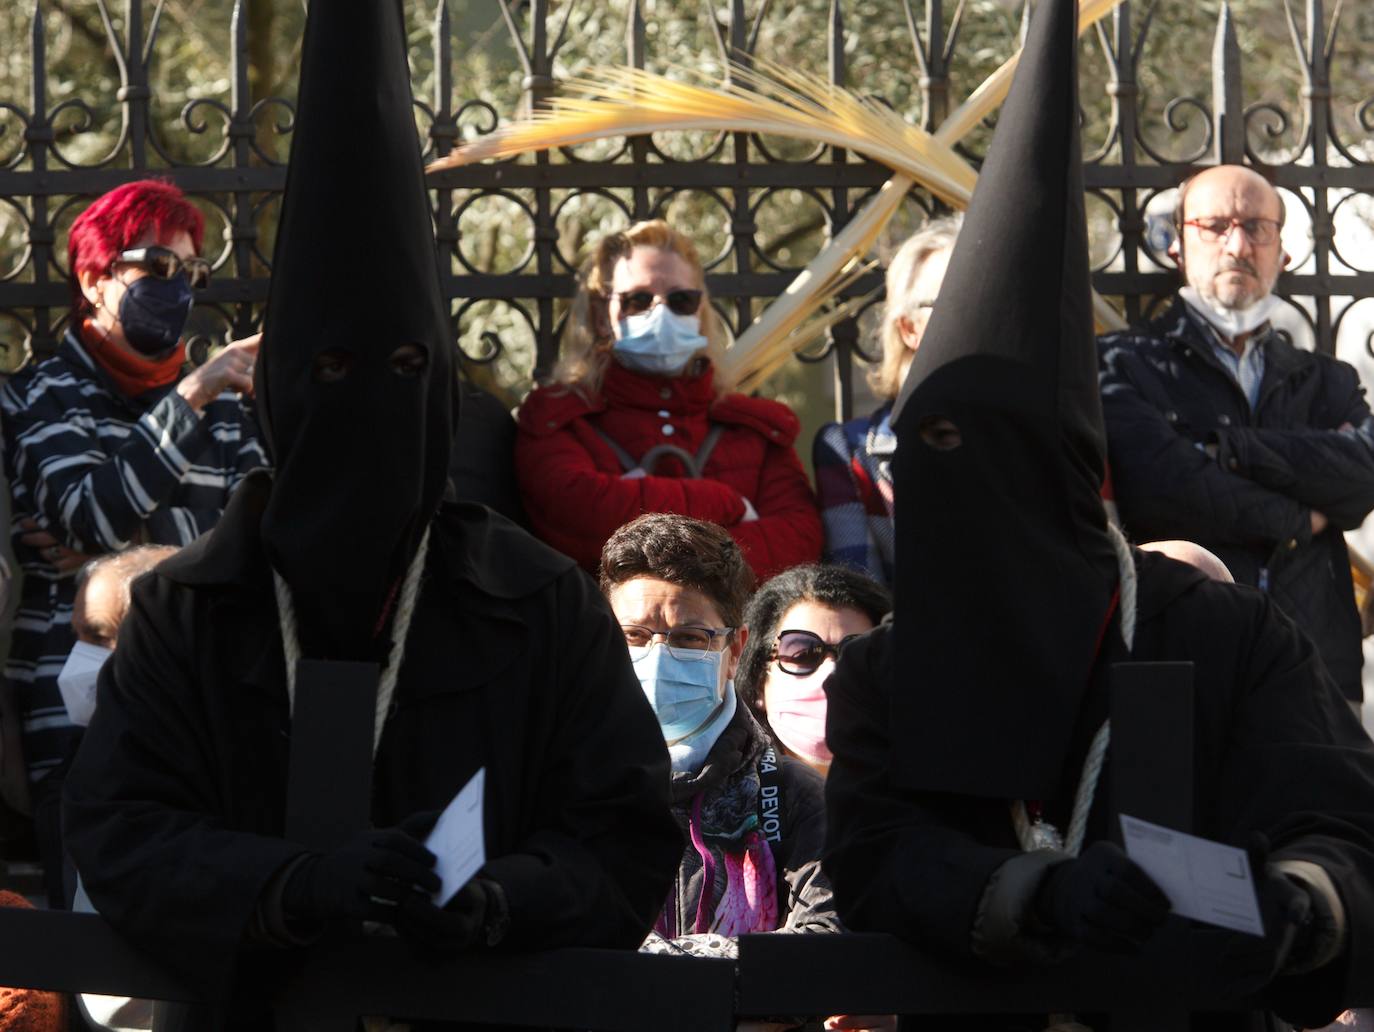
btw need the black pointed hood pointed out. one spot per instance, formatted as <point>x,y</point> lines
<point>1005,573</point>
<point>360,432</point>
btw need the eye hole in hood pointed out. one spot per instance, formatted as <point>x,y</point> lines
<point>409,360</point>
<point>331,365</point>
<point>940,433</point>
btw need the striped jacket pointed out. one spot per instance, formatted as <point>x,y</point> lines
<point>853,463</point>
<point>101,472</point>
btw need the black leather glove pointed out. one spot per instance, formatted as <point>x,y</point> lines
<point>1102,900</point>
<point>366,879</point>
<point>474,917</point>
<point>1247,963</point>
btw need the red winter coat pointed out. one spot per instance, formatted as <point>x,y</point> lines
<point>572,484</point>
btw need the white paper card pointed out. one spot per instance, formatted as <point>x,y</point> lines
<point>457,839</point>
<point>1204,880</point>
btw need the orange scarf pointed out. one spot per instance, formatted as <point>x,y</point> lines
<point>132,374</point>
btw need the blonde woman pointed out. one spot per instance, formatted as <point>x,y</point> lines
<point>636,421</point>
<point>853,459</point>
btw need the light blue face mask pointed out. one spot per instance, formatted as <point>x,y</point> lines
<point>684,693</point>
<point>658,341</point>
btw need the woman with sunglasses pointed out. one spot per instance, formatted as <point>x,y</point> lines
<point>107,444</point>
<point>798,622</point>
<point>636,421</point>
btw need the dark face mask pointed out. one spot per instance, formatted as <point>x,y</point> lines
<point>153,312</point>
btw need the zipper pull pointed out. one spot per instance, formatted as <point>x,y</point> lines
<point>1264,579</point>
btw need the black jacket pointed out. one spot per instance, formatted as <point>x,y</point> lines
<point>791,819</point>
<point>1164,393</point>
<point>175,805</point>
<point>1276,751</point>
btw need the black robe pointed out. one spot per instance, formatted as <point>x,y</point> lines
<point>175,805</point>
<point>1277,750</point>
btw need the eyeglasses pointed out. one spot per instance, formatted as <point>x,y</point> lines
<point>800,653</point>
<point>1261,232</point>
<point>679,302</point>
<point>686,643</point>
<point>166,264</point>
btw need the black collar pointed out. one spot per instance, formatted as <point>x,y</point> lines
<point>1161,580</point>
<point>479,548</point>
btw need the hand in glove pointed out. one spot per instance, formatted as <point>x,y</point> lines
<point>1247,963</point>
<point>474,917</point>
<point>1102,899</point>
<point>365,879</point>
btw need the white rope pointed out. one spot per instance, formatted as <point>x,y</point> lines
<point>1129,584</point>
<point>405,611</point>
<point>1027,833</point>
<point>1087,789</point>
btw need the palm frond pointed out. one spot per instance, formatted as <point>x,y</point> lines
<point>828,272</point>
<point>776,100</point>
<point>781,102</point>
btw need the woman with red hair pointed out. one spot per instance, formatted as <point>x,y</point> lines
<point>107,444</point>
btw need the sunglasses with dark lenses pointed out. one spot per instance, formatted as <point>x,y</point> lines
<point>679,302</point>
<point>166,264</point>
<point>800,653</point>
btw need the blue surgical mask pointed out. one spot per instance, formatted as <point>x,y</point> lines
<point>684,693</point>
<point>153,312</point>
<point>658,341</point>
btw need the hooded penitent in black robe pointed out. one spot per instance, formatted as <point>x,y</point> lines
<point>1276,750</point>
<point>1011,599</point>
<point>175,806</point>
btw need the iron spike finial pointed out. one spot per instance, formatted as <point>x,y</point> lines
<point>443,53</point>
<point>635,35</point>
<point>1228,104</point>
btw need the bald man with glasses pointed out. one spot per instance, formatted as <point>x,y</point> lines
<point>1221,432</point>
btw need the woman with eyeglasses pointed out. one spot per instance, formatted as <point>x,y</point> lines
<point>111,443</point>
<point>853,459</point>
<point>637,422</point>
<point>798,623</point>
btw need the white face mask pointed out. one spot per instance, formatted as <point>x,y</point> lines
<point>658,341</point>
<point>77,680</point>
<point>1231,322</point>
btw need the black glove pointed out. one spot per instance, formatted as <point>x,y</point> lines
<point>1247,963</point>
<point>473,917</point>
<point>1102,899</point>
<point>365,880</point>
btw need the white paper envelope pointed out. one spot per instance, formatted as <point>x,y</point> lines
<point>1204,880</point>
<point>458,840</point>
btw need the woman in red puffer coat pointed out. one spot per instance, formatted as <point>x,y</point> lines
<point>636,422</point>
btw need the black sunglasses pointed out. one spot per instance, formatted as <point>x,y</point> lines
<point>800,653</point>
<point>679,302</point>
<point>166,264</point>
